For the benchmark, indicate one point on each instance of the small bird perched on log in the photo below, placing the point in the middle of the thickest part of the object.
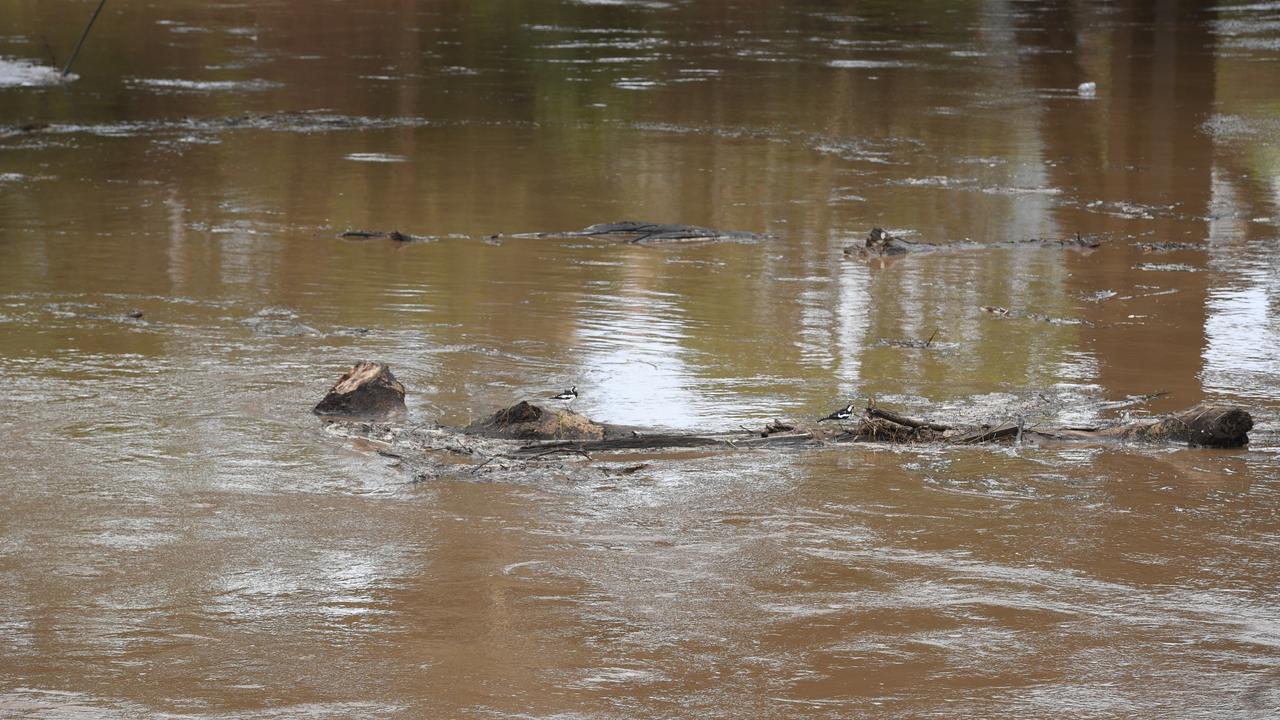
(567, 396)
(842, 414)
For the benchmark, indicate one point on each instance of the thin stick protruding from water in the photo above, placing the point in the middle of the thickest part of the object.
(83, 36)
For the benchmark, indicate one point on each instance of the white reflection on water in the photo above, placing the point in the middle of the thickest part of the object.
(1242, 330)
(25, 73)
(635, 366)
(1243, 351)
(852, 323)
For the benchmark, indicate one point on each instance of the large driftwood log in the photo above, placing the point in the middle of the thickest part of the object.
(1204, 425)
(368, 389)
(529, 439)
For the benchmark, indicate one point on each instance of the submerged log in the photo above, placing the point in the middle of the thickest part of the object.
(367, 389)
(644, 233)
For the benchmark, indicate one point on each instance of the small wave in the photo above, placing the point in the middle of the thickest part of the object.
(205, 85)
(376, 158)
(636, 84)
(647, 4)
(868, 64)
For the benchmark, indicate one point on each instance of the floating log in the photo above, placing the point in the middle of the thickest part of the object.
(644, 233)
(367, 389)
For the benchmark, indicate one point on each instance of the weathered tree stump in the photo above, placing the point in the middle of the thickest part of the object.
(367, 389)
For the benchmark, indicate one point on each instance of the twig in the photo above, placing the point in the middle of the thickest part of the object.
(929, 342)
(476, 469)
(562, 450)
(53, 56)
(83, 36)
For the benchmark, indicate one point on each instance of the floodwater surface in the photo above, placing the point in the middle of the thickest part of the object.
(178, 538)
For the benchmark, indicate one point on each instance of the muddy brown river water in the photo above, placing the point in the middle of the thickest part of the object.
(179, 539)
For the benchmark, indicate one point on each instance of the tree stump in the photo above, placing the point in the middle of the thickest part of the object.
(367, 389)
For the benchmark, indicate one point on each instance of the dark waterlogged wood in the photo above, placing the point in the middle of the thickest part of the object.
(646, 233)
(368, 389)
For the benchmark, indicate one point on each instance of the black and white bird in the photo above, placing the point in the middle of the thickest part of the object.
(567, 396)
(843, 413)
